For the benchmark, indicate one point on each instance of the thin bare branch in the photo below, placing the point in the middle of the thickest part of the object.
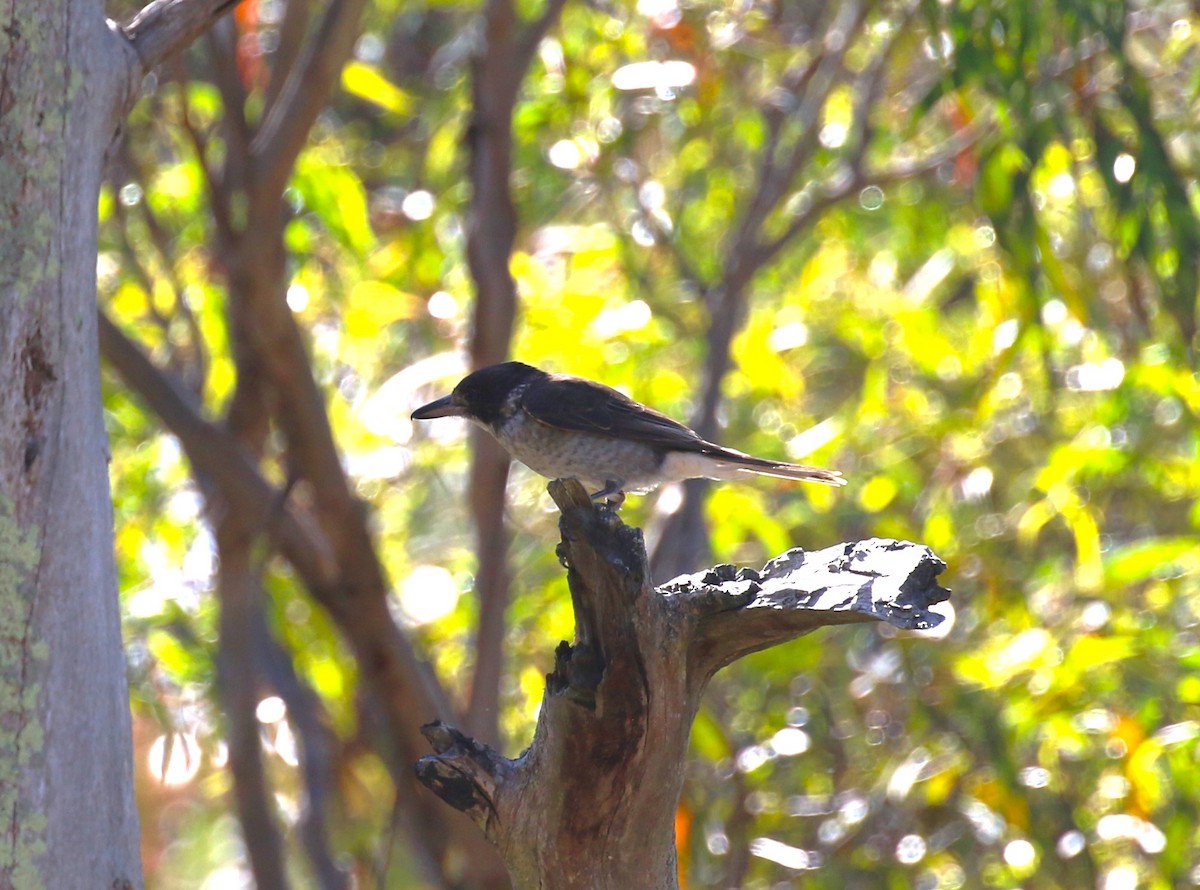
(779, 163)
(240, 592)
(780, 101)
(528, 42)
(313, 729)
(164, 27)
(218, 459)
(830, 73)
(869, 90)
(222, 42)
(498, 66)
(309, 84)
(213, 185)
(292, 30)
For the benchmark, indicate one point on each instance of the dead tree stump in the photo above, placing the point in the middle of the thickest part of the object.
(591, 803)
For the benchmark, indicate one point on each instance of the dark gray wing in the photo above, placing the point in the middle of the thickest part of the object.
(570, 403)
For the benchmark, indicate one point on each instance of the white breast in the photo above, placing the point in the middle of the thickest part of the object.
(562, 454)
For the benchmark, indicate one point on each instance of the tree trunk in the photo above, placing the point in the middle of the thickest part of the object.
(66, 774)
(66, 797)
(591, 804)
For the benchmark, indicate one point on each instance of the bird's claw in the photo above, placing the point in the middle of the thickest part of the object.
(611, 494)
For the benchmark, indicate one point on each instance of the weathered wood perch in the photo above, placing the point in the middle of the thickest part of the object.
(591, 803)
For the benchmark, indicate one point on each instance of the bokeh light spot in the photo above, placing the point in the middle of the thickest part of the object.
(1019, 854)
(1124, 166)
(417, 205)
(174, 759)
(427, 594)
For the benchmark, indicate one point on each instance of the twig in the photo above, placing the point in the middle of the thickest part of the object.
(222, 41)
(870, 89)
(195, 370)
(212, 182)
(808, 98)
(830, 73)
(309, 84)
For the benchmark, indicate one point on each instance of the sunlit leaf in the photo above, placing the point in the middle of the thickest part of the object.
(368, 82)
(1150, 557)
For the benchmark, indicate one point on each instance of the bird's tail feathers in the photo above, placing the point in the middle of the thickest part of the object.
(780, 470)
(727, 464)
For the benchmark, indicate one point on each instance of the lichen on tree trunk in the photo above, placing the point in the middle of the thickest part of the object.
(66, 770)
(68, 78)
(591, 803)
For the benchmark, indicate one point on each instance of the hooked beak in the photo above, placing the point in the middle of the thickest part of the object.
(443, 407)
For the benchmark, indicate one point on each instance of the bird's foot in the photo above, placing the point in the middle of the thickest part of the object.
(611, 494)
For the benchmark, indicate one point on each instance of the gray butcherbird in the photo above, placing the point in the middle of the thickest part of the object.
(569, 428)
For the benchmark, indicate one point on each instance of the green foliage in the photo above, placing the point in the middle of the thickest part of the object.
(998, 356)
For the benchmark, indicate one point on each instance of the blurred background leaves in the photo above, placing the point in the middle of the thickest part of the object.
(975, 293)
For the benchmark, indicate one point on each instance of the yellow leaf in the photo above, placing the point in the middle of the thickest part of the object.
(326, 677)
(389, 259)
(1187, 690)
(1090, 652)
(877, 494)
(374, 305)
(939, 532)
(1006, 657)
(1089, 567)
(366, 82)
(1145, 775)
(1032, 520)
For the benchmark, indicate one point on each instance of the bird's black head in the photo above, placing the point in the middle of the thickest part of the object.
(483, 395)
